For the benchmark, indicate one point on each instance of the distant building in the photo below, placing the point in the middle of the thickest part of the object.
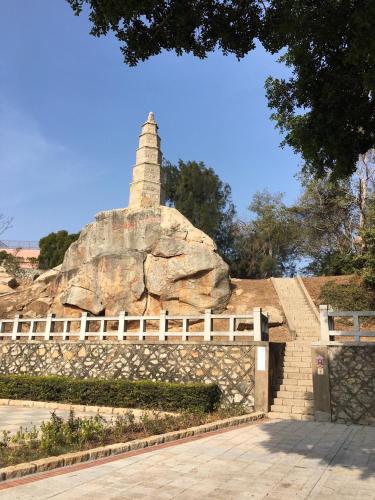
(25, 251)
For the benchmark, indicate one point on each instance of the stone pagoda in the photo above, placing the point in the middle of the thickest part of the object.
(147, 188)
(140, 259)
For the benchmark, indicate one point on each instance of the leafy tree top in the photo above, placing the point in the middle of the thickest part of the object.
(326, 109)
(53, 248)
(199, 194)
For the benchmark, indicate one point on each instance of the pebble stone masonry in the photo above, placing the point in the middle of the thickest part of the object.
(232, 367)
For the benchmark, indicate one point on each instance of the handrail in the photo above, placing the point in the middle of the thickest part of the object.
(120, 331)
(327, 324)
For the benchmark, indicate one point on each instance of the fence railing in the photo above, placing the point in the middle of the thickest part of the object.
(327, 325)
(14, 244)
(124, 327)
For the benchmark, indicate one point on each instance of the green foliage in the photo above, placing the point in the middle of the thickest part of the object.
(199, 194)
(328, 216)
(147, 28)
(332, 263)
(11, 263)
(366, 261)
(353, 296)
(267, 245)
(53, 248)
(57, 436)
(117, 393)
(325, 108)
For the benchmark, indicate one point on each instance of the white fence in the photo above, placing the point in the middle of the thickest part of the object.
(327, 325)
(124, 327)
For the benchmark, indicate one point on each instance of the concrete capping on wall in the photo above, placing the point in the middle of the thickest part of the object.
(292, 332)
(69, 459)
(308, 297)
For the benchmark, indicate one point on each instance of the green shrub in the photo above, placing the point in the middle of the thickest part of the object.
(353, 296)
(117, 393)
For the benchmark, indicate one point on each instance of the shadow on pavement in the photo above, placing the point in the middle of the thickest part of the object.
(337, 445)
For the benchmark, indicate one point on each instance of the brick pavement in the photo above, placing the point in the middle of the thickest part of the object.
(273, 460)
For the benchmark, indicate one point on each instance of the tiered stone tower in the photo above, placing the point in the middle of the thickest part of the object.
(147, 188)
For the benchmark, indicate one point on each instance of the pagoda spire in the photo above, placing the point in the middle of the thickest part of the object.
(147, 190)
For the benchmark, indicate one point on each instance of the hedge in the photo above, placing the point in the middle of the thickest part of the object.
(115, 393)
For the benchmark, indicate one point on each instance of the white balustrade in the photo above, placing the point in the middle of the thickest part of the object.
(327, 325)
(233, 327)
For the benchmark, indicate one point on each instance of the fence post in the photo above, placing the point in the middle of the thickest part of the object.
(231, 328)
(121, 325)
(185, 328)
(32, 329)
(207, 324)
(141, 334)
(103, 329)
(48, 327)
(257, 322)
(16, 326)
(162, 324)
(66, 329)
(82, 331)
(324, 323)
(356, 328)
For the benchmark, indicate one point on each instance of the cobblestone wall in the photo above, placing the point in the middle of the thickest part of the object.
(352, 383)
(232, 367)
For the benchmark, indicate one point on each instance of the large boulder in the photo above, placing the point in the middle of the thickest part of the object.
(141, 261)
(7, 282)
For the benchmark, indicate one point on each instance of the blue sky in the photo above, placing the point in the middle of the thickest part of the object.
(71, 111)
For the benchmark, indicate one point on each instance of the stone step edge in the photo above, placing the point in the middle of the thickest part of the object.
(102, 410)
(68, 459)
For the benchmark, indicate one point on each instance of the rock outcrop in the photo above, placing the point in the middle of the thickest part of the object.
(141, 261)
(7, 282)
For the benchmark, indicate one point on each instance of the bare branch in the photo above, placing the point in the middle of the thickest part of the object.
(5, 223)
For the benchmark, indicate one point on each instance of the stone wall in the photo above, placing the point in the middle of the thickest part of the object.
(352, 383)
(344, 383)
(232, 367)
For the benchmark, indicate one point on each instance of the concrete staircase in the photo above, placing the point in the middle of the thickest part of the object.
(294, 398)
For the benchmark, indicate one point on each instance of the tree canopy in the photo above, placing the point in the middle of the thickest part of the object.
(268, 244)
(326, 109)
(199, 194)
(53, 248)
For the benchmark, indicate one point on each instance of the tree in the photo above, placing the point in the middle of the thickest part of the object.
(199, 194)
(328, 217)
(326, 109)
(53, 248)
(366, 177)
(268, 244)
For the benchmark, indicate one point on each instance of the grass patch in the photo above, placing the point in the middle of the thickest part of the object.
(166, 396)
(58, 436)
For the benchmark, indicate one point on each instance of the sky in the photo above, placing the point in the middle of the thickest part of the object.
(71, 112)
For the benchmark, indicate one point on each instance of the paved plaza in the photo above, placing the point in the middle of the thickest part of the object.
(272, 460)
(14, 417)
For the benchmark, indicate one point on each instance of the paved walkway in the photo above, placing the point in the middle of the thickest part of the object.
(13, 417)
(273, 460)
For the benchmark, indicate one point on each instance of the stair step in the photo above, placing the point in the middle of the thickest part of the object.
(305, 395)
(297, 376)
(286, 416)
(296, 364)
(308, 403)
